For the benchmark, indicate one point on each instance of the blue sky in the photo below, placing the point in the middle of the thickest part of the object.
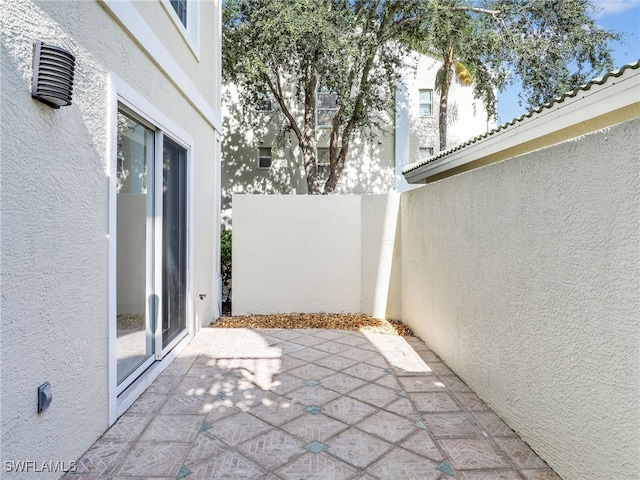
(621, 16)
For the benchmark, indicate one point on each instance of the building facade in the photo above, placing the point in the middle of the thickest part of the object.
(258, 159)
(106, 204)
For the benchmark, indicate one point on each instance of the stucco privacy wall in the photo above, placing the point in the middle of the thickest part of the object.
(296, 253)
(524, 277)
(346, 268)
(54, 223)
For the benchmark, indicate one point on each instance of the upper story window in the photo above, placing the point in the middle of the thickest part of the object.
(426, 103)
(322, 156)
(327, 106)
(264, 102)
(264, 157)
(425, 152)
(185, 14)
(180, 6)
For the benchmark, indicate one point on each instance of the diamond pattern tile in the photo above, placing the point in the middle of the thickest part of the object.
(284, 383)
(277, 410)
(403, 406)
(473, 454)
(353, 339)
(365, 371)
(336, 362)
(127, 427)
(543, 474)
(374, 394)
(205, 446)
(175, 428)
(159, 459)
(519, 452)
(311, 466)
(453, 383)
(148, 403)
(237, 428)
(451, 425)
(358, 354)
(343, 383)
(310, 370)
(357, 448)
(488, 475)
(280, 404)
(406, 465)
(312, 395)
(185, 405)
(348, 409)
(101, 457)
(492, 424)
(309, 354)
(388, 426)
(470, 401)
(314, 427)
(273, 448)
(434, 402)
(422, 444)
(332, 347)
(389, 381)
(225, 466)
(422, 383)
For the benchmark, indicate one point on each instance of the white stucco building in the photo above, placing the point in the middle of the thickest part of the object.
(109, 223)
(254, 160)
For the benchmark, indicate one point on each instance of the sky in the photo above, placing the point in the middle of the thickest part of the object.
(620, 16)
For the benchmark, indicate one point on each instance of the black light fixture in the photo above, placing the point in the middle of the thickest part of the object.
(52, 75)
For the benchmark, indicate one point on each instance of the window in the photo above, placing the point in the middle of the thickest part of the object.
(264, 157)
(323, 156)
(264, 102)
(425, 152)
(327, 106)
(426, 103)
(186, 16)
(180, 6)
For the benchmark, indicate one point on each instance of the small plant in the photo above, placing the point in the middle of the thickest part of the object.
(225, 257)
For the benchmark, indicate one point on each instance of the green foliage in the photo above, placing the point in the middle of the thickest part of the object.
(225, 256)
(356, 48)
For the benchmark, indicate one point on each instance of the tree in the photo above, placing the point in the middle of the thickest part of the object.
(355, 48)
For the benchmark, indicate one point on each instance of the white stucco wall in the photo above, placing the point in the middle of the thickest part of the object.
(55, 223)
(348, 268)
(379, 220)
(296, 254)
(524, 277)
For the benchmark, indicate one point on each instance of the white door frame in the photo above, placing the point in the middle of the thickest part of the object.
(121, 94)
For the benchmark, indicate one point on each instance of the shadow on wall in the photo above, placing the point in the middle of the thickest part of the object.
(370, 166)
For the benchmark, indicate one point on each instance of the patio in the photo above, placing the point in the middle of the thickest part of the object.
(309, 404)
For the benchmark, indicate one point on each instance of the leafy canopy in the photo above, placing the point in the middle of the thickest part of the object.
(356, 48)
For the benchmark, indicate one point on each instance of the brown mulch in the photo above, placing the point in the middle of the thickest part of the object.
(343, 321)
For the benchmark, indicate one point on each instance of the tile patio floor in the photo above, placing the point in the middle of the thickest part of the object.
(309, 404)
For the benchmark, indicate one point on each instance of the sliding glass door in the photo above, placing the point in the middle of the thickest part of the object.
(136, 312)
(174, 240)
(151, 246)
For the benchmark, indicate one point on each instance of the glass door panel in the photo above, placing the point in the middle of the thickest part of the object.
(134, 251)
(174, 241)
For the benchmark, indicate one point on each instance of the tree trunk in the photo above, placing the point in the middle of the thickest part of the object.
(447, 67)
(443, 106)
(309, 136)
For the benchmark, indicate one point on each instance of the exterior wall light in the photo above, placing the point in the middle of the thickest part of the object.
(53, 69)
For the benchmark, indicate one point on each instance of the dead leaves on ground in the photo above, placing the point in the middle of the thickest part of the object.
(339, 321)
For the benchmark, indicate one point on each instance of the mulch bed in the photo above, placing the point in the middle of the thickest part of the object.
(343, 321)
